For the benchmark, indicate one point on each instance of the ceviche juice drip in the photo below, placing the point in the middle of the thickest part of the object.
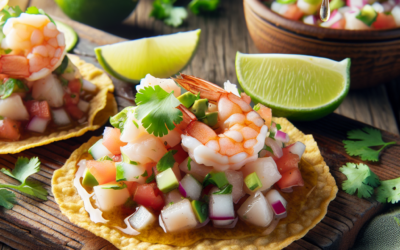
(324, 11)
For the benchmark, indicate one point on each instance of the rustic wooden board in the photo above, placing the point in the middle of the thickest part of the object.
(34, 224)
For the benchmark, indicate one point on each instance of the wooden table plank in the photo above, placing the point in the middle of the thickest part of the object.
(222, 36)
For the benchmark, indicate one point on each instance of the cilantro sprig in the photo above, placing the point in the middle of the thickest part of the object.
(167, 161)
(157, 110)
(360, 178)
(363, 139)
(174, 16)
(23, 169)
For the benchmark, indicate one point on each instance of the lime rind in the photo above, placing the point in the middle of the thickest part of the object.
(71, 37)
(161, 67)
(303, 113)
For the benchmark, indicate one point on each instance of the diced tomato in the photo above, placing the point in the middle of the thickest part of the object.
(384, 21)
(75, 86)
(71, 99)
(287, 161)
(132, 186)
(40, 109)
(10, 129)
(74, 111)
(291, 178)
(149, 195)
(181, 155)
(117, 158)
(339, 24)
(201, 131)
(103, 171)
(293, 12)
(266, 114)
(111, 140)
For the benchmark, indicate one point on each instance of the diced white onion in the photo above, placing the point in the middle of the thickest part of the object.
(83, 105)
(38, 124)
(60, 117)
(88, 86)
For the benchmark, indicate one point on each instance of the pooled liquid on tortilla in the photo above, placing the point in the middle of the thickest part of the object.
(155, 234)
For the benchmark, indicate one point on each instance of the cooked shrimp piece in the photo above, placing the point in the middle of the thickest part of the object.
(240, 137)
(37, 47)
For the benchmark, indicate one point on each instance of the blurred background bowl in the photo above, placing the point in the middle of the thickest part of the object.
(98, 13)
(375, 54)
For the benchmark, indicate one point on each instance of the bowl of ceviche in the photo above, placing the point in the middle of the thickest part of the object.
(355, 29)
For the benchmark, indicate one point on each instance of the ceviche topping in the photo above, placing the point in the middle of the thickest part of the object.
(185, 160)
(349, 14)
(41, 91)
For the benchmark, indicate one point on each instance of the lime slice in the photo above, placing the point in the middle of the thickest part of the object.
(294, 86)
(71, 38)
(160, 56)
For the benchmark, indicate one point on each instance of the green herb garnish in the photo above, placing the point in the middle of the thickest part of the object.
(167, 161)
(359, 177)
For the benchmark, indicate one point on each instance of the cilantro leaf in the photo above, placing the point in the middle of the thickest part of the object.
(365, 138)
(162, 9)
(116, 186)
(188, 163)
(7, 198)
(23, 169)
(144, 174)
(389, 191)
(197, 6)
(157, 110)
(359, 177)
(151, 178)
(167, 161)
(176, 17)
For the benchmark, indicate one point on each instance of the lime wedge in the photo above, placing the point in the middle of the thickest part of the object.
(298, 87)
(71, 38)
(160, 56)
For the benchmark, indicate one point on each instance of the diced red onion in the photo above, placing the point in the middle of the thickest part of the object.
(297, 148)
(222, 218)
(287, 190)
(203, 224)
(310, 20)
(161, 222)
(38, 124)
(271, 226)
(279, 209)
(88, 86)
(281, 136)
(60, 117)
(276, 148)
(232, 225)
(182, 190)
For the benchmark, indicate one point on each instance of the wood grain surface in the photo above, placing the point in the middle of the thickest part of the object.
(34, 224)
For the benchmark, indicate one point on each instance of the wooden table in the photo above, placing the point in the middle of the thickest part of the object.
(222, 35)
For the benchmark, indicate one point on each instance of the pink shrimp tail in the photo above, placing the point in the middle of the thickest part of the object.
(14, 66)
(195, 85)
(188, 117)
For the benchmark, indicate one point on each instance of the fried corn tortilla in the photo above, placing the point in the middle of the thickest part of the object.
(306, 207)
(102, 106)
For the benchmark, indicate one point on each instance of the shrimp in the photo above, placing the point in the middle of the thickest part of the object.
(241, 134)
(37, 47)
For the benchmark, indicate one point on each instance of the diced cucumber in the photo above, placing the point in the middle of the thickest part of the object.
(88, 179)
(98, 150)
(128, 172)
(367, 15)
(252, 181)
(167, 181)
(105, 158)
(200, 210)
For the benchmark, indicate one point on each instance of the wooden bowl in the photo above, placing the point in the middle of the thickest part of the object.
(375, 54)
